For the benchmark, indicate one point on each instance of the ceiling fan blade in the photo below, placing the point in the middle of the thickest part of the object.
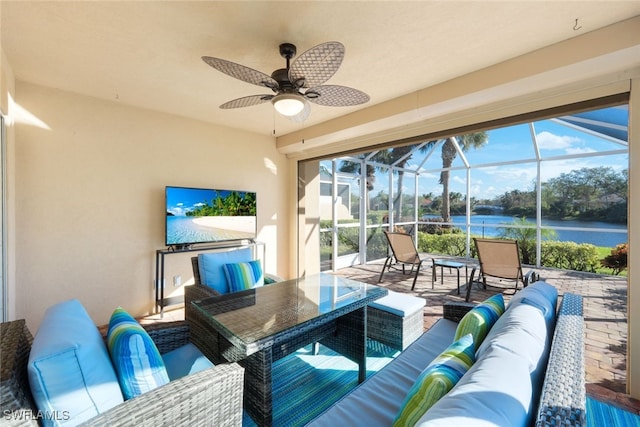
(317, 64)
(246, 101)
(336, 96)
(241, 72)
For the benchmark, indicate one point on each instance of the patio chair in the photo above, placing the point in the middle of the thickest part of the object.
(403, 252)
(499, 259)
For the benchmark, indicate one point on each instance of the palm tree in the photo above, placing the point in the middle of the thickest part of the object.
(399, 156)
(526, 237)
(351, 167)
(449, 153)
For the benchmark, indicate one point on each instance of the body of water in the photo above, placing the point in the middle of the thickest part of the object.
(608, 235)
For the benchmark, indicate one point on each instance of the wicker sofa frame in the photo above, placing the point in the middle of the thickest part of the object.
(210, 397)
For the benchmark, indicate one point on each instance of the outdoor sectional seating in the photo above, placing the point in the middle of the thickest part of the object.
(529, 370)
(73, 374)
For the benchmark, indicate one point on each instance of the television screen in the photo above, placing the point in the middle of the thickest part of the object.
(201, 215)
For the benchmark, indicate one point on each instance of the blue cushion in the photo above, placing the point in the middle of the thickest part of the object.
(530, 316)
(210, 266)
(136, 358)
(185, 360)
(399, 304)
(436, 380)
(479, 320)
(69, 369)
(496, 391)
(243, 275)
(539, 294)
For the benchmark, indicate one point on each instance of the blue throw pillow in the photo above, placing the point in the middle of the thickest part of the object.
(436, 380)
(210, 266)
(479, 320)
(136, 358)
(243, 275)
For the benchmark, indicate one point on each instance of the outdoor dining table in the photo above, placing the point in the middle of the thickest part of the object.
(256, 327)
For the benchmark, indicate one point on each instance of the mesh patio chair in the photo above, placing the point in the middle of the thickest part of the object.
(499, 259)
(403, 253)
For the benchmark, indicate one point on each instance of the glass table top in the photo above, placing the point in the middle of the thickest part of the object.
(257, 314)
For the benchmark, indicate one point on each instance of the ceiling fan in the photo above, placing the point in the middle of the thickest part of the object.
(297, 84)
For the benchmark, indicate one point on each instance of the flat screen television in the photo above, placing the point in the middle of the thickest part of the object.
(203, 215)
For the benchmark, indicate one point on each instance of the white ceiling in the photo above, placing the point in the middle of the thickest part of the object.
(148, 53)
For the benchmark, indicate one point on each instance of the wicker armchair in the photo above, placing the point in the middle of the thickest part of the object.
(210, 397)
(199, 291)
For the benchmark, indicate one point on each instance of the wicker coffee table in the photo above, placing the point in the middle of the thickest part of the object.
(259, 326)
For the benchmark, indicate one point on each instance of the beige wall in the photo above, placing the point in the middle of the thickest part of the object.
(90, 178)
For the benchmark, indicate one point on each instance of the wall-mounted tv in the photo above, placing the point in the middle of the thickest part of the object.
(202, 215)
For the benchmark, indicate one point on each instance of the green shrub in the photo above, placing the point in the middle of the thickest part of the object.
(569, 256)
(555, 254)
(448, 244)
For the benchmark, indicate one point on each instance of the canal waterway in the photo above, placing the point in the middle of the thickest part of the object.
(607, 234)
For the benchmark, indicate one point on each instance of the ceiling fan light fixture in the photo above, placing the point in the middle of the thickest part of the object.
(288, 104)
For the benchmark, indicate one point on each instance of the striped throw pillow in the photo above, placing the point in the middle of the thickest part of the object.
(243, 275)
(479, 320)
(436, 380)
(134, 355)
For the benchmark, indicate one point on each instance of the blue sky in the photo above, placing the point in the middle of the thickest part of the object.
(515, 143)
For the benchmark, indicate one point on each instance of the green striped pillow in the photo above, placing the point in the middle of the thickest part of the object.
(436, 380)
(135, 357)
(243, 275)
(479, 320)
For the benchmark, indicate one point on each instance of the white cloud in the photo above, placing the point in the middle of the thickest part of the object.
(549, 141)
(580, 150)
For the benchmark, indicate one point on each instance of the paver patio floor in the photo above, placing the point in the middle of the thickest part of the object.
(605, 315)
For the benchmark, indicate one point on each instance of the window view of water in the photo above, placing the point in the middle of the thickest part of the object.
(489, 226)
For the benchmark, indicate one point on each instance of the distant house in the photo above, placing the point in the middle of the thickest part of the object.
(343, 206)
